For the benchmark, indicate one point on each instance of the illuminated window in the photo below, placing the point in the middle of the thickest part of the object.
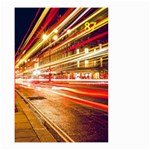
(94, 63)
(68, 31)
(100, 46)
(77, 75)
(55, 31)
(55, 37)
(78, 51)
(44, 36)
(78, 63)
(86, 63)
(86, 50)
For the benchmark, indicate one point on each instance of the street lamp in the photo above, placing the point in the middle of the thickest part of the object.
(44, 36)
(68, 31)
(55, 31)
(86, 50)
(55, 37)
(36, 72)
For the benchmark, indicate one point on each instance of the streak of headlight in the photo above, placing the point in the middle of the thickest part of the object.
(76, 56)
(84, 42)
(81, 34)
(80, 80)
(76, 19)
(100, 106)
(89, 40)
(38, 44)
(102, 9)
(89, 55)
(87, 92)
(68, 12)
(68, 59)
(74, 64)
(100, 24)
(31, 51)
(79, 57)
(71, 58)
(49, 18)
(104, 22)
(93, 15)
(36, 25)
(77, 10)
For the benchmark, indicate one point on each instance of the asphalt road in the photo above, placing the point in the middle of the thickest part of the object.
(81, 122)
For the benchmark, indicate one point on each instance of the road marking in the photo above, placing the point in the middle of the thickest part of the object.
(59, 131)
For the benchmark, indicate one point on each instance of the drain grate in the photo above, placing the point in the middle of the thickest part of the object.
(36, 98)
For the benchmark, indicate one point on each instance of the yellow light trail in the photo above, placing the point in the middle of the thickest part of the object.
(63, 60)
(36, 25)
(76, 11)
(99, 11)
(100, 24)
(31, 51)
(83, 13)
(71, 59)
(103, 22)
(34, 29)
(38, 44)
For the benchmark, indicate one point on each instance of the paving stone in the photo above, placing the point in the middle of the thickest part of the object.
(20, 133)
(44, 135)
(24, 125)
(20, 118)
(27, 139)
(28, 127)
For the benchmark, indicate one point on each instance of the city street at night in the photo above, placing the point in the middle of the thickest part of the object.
(61, 74)
(74, 75)
(81, 121)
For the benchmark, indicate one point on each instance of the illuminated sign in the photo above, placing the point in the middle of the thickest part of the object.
(88, 25)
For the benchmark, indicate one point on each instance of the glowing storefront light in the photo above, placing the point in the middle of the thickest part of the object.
(55, 37)
(68, 31)
(55, 31)
(86, 63)
(44, 36)
(36, 72)
(86, 50)
(78, 51)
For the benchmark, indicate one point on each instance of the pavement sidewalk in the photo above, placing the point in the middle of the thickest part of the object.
(28, 127)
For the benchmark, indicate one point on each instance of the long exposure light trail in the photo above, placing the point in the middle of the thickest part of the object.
(87, 92)
(81, 56)
(62, 18)
(28, 30)
(76, 11)
(45, 24)
(79, 35)
(49, 18)
(32, 32)
(40, 43)
(76, 20)
(61, 71)
(100, 106)
(46, 10)
(70, 58)
(93, 15)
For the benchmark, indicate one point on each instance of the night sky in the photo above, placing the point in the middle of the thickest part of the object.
(23, 19)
